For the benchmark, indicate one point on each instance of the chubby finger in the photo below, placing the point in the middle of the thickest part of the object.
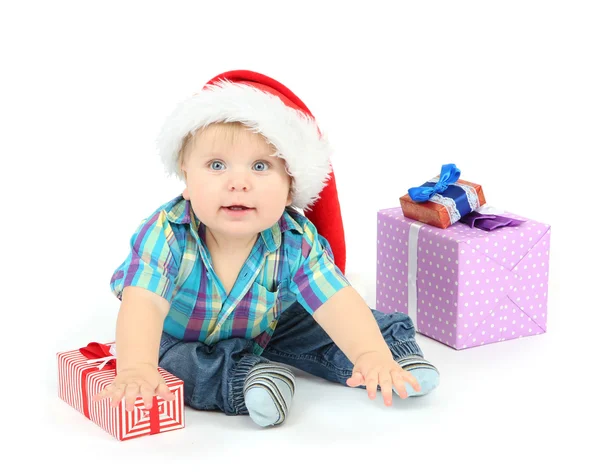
(385, 382)
(131, 393)
(356, 379)
(147, 394)
(108, 392)
(410, 378)
(116, 394)
(399, 384)
(372, 382)
(103, 394)
(164, 392)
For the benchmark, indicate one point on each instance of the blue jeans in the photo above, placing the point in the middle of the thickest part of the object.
(214, 375)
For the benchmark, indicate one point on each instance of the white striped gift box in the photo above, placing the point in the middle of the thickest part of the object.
(79, 378)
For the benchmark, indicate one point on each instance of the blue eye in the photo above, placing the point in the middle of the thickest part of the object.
(216, 162)
(264, 166)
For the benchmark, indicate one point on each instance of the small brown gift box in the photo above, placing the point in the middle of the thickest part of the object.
(434, 214)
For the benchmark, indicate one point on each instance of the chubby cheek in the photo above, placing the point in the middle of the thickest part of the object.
(276, 202)
(201, 196)
(203, 201)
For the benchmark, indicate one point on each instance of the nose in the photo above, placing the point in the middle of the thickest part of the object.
(233, 188)
(239, 182)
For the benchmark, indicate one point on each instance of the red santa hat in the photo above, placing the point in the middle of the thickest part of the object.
(269, 108)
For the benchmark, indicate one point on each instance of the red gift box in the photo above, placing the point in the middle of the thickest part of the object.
(85, 372)
(435, 214)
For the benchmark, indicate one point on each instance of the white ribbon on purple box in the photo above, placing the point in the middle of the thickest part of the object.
(413, 265)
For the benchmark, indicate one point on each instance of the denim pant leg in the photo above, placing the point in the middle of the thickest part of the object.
(300, 342)
(213, 375)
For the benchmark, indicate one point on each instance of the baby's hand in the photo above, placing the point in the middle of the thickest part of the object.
(143, 379)
(374, 368)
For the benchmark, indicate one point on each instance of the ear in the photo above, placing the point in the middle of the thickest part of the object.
(185, 194)
(291, 184)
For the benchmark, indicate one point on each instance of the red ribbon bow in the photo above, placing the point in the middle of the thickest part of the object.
(94, 350)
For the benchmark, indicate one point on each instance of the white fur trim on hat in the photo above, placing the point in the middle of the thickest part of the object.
(294, 135)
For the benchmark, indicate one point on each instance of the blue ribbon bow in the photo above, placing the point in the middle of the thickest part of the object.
(449, 174)
(445, 187)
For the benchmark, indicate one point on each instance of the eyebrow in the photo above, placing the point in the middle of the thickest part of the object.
(213, 155)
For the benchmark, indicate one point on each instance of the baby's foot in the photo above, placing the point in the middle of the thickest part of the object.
(425, 373)
(268, 392)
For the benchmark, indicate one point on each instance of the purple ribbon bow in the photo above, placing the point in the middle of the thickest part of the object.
(489, 222)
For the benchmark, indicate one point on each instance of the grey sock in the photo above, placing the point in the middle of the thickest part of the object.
(425, 373)
(268, 392)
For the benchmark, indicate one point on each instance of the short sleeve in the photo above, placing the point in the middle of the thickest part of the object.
(316, 278)
(153, 261)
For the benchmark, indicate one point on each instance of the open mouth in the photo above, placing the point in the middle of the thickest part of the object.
(237, 210)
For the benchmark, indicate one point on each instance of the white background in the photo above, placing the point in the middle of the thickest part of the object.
(506, 90)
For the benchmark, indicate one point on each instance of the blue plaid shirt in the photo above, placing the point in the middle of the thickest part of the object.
(289, 262)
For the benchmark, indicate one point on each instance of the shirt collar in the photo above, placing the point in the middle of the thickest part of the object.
(272, 236)
(180, 211)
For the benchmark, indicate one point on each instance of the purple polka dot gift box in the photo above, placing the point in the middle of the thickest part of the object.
(465, 285)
